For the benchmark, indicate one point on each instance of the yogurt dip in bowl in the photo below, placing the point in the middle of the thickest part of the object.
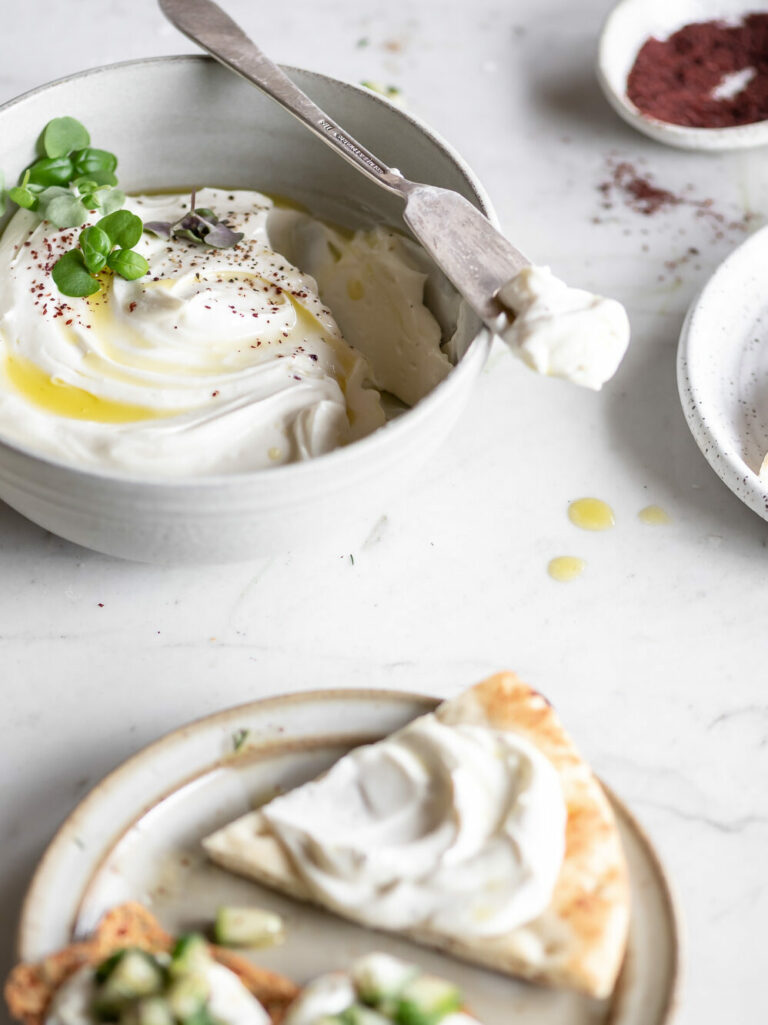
(216, 359)
(192, 446)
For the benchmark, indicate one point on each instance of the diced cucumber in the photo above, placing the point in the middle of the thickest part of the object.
(190, 955)
(153, 1011)
(358, 1014)
(380, 978)
(327, 996)
(426, 1001)
(248, 927)
(187, 995)
(126, 976)
(147, 1011)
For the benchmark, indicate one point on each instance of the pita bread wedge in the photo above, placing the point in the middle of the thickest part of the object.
(31, 985)
(578, 941)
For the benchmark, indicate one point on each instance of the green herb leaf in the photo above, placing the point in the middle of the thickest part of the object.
(92, 162)
(102, 177)
(111, 200)
(51, 171)
(123, 227)
(62, 135)
(96, 246)
(22, 197)
(127, 264)
(62, 207)
(71, 275)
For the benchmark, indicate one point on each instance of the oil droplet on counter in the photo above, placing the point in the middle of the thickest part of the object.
(591, 514)
(275, 453)
(654, 516)
(565, 568)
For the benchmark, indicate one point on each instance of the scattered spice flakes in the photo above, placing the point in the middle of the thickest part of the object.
(637, 190)
(627, 183)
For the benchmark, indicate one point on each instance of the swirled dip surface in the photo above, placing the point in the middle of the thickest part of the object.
(219, 360)
(459, 827)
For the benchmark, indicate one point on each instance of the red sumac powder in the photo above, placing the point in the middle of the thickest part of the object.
(674, 79)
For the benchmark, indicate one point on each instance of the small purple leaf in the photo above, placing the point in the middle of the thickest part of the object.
(161, 228)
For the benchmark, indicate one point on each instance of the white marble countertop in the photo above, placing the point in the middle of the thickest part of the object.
(656, 657)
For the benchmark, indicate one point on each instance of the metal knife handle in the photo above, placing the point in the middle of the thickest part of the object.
(206, 24)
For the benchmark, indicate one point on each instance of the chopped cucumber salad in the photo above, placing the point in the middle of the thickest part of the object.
(379, 990)
(133, 987)
(248, 927)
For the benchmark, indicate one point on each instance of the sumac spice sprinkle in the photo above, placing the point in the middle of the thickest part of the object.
(710, 74)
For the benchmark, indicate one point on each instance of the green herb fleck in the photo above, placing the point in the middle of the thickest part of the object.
(239, 738)
(391, 92)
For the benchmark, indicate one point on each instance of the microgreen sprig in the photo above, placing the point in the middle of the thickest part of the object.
(199, 225)
(106, 244)
(69, 177)
(69, 180)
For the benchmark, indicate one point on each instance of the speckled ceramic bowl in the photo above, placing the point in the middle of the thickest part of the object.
(627, 27)
(722, 371)
(189, 118)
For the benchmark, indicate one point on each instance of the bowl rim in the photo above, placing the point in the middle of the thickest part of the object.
(476, 352)
(754, 133)
(708, 426)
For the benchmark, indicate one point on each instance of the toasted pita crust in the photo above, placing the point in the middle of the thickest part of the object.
(31, 986)
(579, 941)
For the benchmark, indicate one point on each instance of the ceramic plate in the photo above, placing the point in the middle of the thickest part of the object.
(137, 835)
(722, 371)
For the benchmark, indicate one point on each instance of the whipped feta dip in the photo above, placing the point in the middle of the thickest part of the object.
(456, 827)
(562, 331)
(229, 1001)
(218, 360)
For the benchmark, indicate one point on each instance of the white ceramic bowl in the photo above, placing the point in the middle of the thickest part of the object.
(722, 371)
(627, 27)
(188, 121)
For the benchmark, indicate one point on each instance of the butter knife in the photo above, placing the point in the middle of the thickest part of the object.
(475, 257)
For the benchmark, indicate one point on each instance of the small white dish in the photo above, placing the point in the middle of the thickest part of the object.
(722, 371)
(190, 121)
(137, 836)
(628, 27)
